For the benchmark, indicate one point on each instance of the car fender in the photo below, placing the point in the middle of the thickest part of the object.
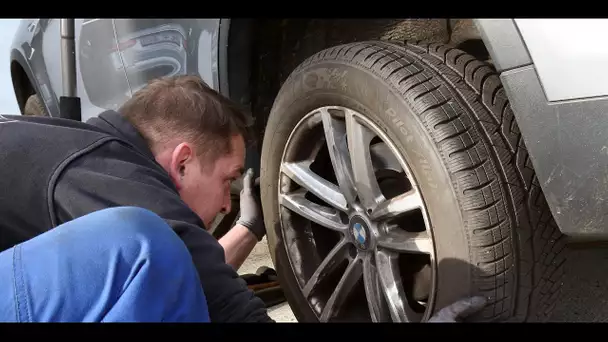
(562, 122)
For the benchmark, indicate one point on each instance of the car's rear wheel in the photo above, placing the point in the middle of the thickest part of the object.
(34, 106)
(395, 181)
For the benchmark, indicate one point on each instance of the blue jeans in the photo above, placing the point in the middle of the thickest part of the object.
(120, 264)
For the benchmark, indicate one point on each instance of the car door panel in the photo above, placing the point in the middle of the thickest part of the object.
(97, 86)
(102, 83)
(153, 48)
(568, 56)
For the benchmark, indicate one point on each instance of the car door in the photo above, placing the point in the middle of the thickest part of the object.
(101, 81)
(153, 48)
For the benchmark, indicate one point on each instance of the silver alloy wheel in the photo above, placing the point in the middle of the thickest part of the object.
(364, 220)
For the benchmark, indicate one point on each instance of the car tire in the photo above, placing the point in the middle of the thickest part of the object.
(449, 117)
(34, 106)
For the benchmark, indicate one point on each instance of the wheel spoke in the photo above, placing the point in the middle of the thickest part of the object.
(390, 278)
(401, 241)
(397, 206)
(322, 215)
(351, 276)
(300, 173)
(333, 259)
(375, 297)
(359, 138)
(335, 135)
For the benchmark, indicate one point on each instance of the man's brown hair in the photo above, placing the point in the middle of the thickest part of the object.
(186, 107)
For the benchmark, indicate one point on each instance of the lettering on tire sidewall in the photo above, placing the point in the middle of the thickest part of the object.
(383, 107)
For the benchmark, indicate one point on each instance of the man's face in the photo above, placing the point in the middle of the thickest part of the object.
(206, 188)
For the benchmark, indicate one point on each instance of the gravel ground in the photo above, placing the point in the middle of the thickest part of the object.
(585, 297)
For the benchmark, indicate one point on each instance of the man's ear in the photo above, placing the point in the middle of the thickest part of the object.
(180, 158)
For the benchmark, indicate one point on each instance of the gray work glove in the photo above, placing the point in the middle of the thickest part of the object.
(459, 310)
(251, 212)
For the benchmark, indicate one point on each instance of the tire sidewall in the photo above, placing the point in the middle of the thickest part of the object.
(346, 84)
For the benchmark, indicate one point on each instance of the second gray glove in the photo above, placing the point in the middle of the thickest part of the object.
(459, 310)
(251, 211)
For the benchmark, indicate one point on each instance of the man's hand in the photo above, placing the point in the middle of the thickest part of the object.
(459, 310)
(251, 213)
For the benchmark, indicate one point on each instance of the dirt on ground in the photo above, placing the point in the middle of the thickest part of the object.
(585, 297)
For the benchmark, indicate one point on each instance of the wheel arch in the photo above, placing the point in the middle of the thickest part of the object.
(504, 43)
(22, 79)
(249, 50)
(234, 58)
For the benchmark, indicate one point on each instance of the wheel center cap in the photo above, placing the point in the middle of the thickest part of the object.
(360, 232)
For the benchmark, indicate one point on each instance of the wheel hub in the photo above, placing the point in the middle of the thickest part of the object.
(361, 232)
